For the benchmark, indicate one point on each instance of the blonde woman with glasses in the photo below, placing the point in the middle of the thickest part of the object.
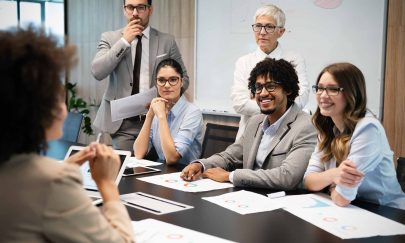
(352, 157)
(173, 126)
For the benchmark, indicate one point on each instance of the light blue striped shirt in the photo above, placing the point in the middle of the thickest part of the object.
(370, 151)
(186, 124)
(269, 131)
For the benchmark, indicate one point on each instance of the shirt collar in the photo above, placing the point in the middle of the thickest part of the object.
(146, 32)
(178, 107)
(276, 53)
(277, 124)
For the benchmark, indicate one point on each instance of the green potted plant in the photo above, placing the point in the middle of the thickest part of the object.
(77, 104)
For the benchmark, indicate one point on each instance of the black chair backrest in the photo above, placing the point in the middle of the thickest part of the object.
(217, 138)
(71, 127)
(401, 172)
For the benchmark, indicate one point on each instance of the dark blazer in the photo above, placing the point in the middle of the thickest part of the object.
(113, 59)
(287, 161)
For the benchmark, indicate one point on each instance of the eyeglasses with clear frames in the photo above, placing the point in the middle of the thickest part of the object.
(269, 86)
(268, 28)
(331, 91)
(172, 81)
(140, 8)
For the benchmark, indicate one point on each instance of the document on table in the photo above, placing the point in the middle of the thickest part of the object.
(344, 222)
(134, 162)
(244, 202)
(152, 204)
(174, 181)
(155, 231)
(132, 105)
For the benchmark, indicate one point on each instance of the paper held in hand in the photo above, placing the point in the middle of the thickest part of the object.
(131, 106)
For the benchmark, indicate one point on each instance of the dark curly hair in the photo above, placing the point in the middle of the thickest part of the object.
(280, 71)
(31, 88)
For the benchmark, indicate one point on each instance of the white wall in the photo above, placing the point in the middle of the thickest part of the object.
(354, 31)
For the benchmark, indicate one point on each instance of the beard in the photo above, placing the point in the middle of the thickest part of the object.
(268, 111)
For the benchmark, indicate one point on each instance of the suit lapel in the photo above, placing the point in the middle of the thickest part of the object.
(153, 49)
(128, 59)
(282, 131)
(255, 146)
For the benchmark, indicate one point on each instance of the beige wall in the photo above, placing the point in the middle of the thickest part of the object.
(88, 19)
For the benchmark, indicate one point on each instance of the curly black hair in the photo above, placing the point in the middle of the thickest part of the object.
(280, 71)
(31, 89)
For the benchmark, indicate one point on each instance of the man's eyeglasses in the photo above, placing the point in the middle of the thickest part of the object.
(172, 81)
(269, 86)
(331, 91)
(140, 8)
(268, 28)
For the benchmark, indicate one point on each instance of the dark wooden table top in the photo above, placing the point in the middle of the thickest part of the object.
(206, 217)
(273, 226)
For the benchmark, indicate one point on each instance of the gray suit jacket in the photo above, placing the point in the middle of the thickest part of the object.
(287, 161)
(113, 58)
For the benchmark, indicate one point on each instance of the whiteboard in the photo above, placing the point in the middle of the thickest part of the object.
(322, 31)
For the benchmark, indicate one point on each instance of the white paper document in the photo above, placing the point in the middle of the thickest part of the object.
(134, 162)
(174, 181)
(132, 105)
(152, 204)
(244, 202)
(155, 231)
(343, 222)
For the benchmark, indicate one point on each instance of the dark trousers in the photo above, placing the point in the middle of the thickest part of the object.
(125, 137)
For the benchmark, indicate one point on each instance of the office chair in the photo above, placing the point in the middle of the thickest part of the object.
(401, 172)
(71, 127)
(217, 138)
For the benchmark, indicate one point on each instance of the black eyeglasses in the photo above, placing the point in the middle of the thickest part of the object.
(331, 91)
(140, 8)
(268, 28)
(269, 86)
(172, 81)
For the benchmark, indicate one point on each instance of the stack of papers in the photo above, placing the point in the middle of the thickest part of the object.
(155, 231)
(134, 162)
(244, 202)
(174, 181)
(344, 222)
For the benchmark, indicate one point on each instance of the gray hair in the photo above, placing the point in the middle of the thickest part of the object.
(272, 11)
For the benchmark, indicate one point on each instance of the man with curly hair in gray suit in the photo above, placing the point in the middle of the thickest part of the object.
(275, 146)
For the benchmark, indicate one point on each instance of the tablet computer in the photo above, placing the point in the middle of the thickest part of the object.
(139, 170)
(88, 183)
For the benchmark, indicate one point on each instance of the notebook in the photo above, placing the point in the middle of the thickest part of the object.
(88, 183)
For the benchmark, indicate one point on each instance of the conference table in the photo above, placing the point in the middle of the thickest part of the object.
(206, 217)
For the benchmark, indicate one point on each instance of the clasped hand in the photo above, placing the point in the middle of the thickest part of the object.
(104, 163)
(159, 107)
(192, 172)
(347, 174)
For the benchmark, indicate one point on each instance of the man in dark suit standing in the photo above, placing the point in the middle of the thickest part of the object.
(129, 57)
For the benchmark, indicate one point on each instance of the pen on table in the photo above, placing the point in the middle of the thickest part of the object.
(276, 194)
